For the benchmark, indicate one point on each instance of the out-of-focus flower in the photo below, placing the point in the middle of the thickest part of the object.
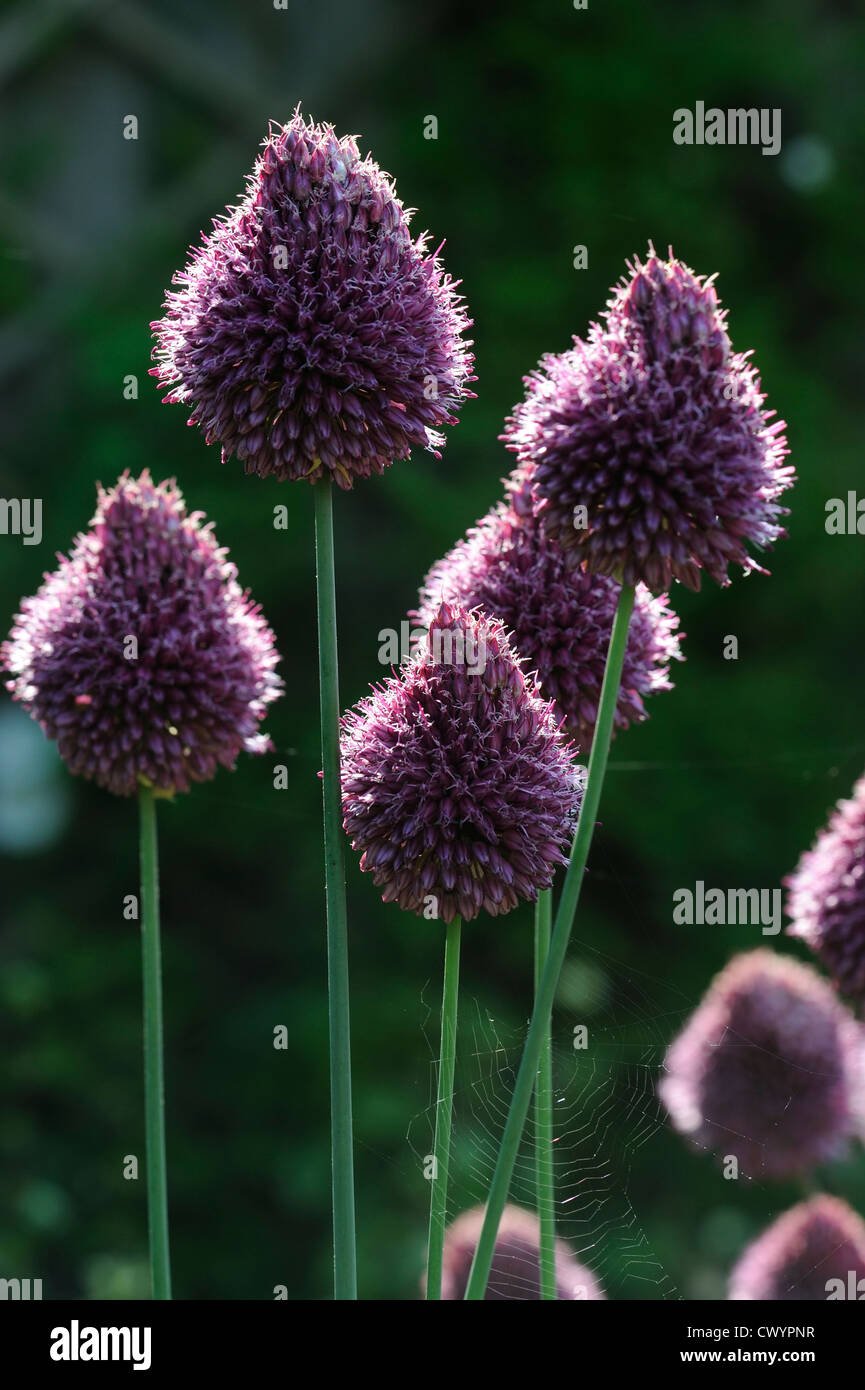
(561, 618)
(515, 1269)
(311, 334)
(768, 1069)
(458, 788)
(654, 457)
(827, 895)
(141, 655)
(808, 1253)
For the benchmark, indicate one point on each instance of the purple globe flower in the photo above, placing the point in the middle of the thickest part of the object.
(654, 456)
(515, 1270)
(561, 618)
(768, 1069)
(311, 334)
(827, 895)
(141, 655)
(814, 1252)
(458, 789)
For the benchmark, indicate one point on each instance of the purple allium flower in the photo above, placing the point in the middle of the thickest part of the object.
(141, 655)
(310, 333)
(827, 895)
(561, 618)
(515, 1270)
(768, 1068)
(656, 428)
(458, 788)
(817, 1241)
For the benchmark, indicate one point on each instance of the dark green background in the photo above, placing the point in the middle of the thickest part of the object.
(555, 129)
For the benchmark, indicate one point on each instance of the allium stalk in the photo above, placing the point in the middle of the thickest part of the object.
(154, 1084)
(339, 1021)
(545, 997)
(444, 1112)
(544, 1162)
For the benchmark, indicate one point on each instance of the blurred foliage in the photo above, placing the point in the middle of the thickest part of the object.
(554, 130)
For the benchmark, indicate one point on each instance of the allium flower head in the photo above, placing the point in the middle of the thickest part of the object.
(827, 895)
(141, 655)
(311, 334)
(655, 428)
(561, 618)
(458, 789)
(817, 1241)
(768, 1068)
(515, 1269)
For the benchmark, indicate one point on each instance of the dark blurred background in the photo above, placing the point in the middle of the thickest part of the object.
(554, 130)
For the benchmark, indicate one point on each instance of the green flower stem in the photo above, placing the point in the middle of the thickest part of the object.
(546, 1190)
(342, 1143)
(542, 1013)
(154, 1086)
(444, 1112)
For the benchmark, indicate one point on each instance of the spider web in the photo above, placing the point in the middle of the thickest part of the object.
(604, 1111)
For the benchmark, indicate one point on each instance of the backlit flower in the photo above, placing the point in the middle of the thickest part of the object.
(654, 457)
(310, 333)
(141, 655)
(459, 792)
(561, 618)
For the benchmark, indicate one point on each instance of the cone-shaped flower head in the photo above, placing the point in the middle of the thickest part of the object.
(310, 333)
(515, 1269)
(458, 788)
(768, 1069)
(654, 456)
(141, 655)
(827, 895)
(561, 618)
(803, 1256)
